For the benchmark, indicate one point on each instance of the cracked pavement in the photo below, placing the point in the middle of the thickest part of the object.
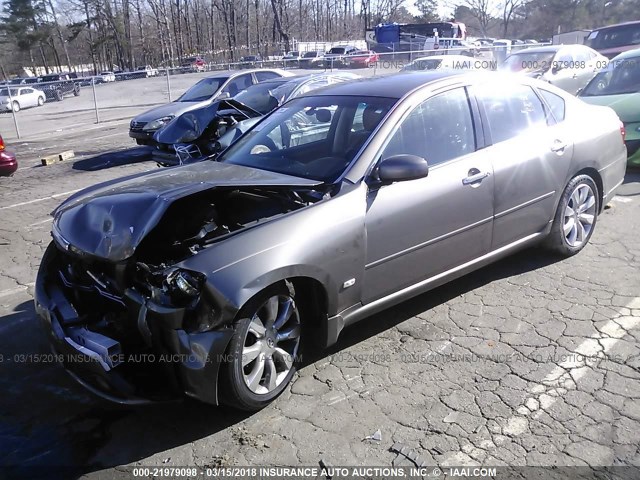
(529, 361)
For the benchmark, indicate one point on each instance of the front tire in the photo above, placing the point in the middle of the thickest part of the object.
(263, 353)
(576, 217)
(16, 106)
(40, 101)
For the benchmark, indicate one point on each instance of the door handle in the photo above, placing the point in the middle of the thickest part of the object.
(475, 178)
(558, 146)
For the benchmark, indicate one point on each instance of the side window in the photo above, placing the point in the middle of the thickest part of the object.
(266, 75)
(307, 126)
(581, 55)
(238, 84)
(312, 86)
(439, 129)
(564, 57)
(555, 103)
(511, 109)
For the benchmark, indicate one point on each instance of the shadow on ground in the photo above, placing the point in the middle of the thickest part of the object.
(47, 421)
(113, 159)
(631, 185)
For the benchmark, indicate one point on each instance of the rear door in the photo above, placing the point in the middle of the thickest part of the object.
(530, 152)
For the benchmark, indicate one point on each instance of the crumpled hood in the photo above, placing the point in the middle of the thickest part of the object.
(191, 125)
(110, 220)
(173, 108)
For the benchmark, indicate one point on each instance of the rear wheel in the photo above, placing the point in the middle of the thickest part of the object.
(16, 106)
(76, 90)
(40, 101)
(576, 216)
(58, 95)
(263, 352)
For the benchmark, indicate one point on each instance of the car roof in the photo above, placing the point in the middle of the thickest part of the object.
(628, 54)
(233, 73)
(547, 48)
(310, 76)
(389, 86)
(634, 22)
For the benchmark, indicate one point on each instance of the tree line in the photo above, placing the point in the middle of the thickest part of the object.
(59, 35)
(108, 34)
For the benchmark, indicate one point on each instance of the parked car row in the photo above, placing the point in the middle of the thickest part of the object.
(55, 86)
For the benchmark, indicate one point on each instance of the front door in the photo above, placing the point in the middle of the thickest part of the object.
(420, 228)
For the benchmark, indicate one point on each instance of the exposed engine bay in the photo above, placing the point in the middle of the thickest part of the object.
(105, 306)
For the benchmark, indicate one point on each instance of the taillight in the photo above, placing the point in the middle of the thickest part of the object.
(623, 132)
(1, 144)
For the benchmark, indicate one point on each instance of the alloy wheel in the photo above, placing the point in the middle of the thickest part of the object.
(271, 344)
(579, 215)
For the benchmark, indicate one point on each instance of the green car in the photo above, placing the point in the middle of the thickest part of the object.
(618, 86)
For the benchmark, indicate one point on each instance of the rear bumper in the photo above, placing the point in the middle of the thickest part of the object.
(8, 163)
(179, 362)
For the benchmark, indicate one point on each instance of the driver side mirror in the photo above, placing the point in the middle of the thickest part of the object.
(557, 66)
(223, 96)
(399, 168)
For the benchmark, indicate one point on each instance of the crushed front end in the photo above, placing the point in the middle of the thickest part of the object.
(129, 334)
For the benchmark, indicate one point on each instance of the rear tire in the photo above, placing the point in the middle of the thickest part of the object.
(575, 218)
(76, 90)
(58, 95)
(262, 355)
(40, 101)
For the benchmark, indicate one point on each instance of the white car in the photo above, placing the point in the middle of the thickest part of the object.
(569, 67)
(107, 76)
(147, 71)
(20, 97)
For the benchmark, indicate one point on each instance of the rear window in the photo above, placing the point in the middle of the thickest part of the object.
(338, 51)
(555, 104)
(620, 36)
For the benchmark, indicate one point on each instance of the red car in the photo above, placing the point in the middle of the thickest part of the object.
(361, 59)
(8, 162)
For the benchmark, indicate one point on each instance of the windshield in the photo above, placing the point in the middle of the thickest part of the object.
(261, 97)
(203, 90)
(4, 92)
(423, 64)
(621, 76)
(310, 55)
(528, 62)
(621, 36)
(310, 137)
(337, 51)
(50, 78)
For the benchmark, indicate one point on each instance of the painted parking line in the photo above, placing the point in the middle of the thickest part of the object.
(50, 197)
(13, 291)
(566, 374)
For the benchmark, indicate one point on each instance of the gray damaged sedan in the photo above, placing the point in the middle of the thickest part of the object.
(208, 279)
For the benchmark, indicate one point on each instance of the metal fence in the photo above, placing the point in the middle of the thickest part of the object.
(121, 96)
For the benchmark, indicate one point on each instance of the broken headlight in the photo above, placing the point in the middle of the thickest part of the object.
(184, 284)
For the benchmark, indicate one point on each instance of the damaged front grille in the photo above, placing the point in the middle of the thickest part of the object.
(91, 282)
